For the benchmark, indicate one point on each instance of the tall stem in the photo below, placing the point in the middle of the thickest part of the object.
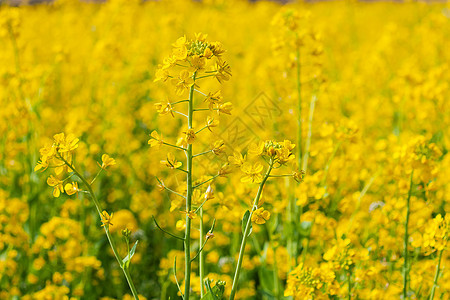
(108, 235)
(246, 232)
(299, 99)
(405, 250)
(436, 275)
(201, 255)
(187, 237)
(349, 282)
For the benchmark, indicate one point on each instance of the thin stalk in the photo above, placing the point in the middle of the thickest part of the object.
(93, 180)
(202, 153)
(292, 213)
(299, 98)
(349, 277)
(436, 275)
(206, 181)
(276, 281)
(202, 256)
(405, 251)
(312, 106)
(246, 231)
(108, 235)
(173, 146)
(187, 236)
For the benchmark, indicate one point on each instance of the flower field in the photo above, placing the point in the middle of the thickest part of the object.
(224, 150)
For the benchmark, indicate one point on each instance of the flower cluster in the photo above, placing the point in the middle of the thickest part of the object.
(312, 283)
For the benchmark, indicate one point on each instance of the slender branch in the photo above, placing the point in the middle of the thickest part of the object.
(181, 101)
(165, 231)
(108, 235)
(173, 192)
(93, 180)
(246, 232)
(175, 275)
(202, 153)
(189, 188)
(436, 275)
(200, 92)
(200, 250)
(180, 113)
(205, 76)
(206, 181)
(173, 146)
(284, 175)
(204, 109)
(312, 106)
(200, 130)
(201, 205)
(405, 251)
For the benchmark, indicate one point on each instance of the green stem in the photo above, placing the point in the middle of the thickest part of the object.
(93, 180)
(246, 232)
(202, 153)
(299, 95)
(436, 275)
(349, 276)
(108, 235)
(206, 181)
(312, 106)
(276, 281)
(405, 250)
(187, 237)
(202, 256)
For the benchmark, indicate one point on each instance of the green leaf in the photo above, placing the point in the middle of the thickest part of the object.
(244, 223)
(126, 261)
(266, 278)
(216, 292)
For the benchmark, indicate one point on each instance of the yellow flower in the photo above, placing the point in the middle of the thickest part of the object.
(56, 184)
(222, 71)
(283, 156)
(190, 135)
(256, 149)
(171, 162)
(260, 216)
(252, 172)
(107, 161)
(156, 140)
(237, 159)
(71, 188)
(225, 108)
(161, 74)
(124, 219)
(218, 147)
(164, 108)
(208, 53)
(225, 169)
(209, 194)
(191, 214)
(288, 145)
(298, 175)
(217, 48)
(67, 144)
(183, 82)
(210, 122)
(213, 99)
(198, 63)
(106, 218)
(169, 62)
(42, 164)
